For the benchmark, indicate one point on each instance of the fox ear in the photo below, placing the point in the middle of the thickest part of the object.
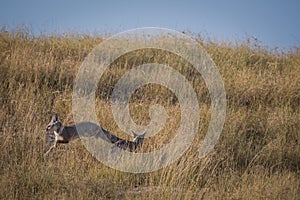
(143, 135)
(55, 117)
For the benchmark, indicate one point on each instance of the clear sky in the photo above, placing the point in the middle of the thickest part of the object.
(275, 23)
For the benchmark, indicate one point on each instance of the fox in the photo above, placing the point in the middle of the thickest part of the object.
(65, 134)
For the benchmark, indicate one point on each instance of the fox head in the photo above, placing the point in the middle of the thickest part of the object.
(55, 124)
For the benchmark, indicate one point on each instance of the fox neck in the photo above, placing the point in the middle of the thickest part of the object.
(59, 130)
(56, 133)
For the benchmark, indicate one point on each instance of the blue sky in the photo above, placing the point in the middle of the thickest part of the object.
(274, 23)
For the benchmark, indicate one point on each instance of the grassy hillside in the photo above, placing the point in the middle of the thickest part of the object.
(256, 157)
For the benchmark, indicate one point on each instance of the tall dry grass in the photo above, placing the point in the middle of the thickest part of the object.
(257, 156)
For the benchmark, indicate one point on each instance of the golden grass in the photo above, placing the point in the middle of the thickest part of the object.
(257, 156)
